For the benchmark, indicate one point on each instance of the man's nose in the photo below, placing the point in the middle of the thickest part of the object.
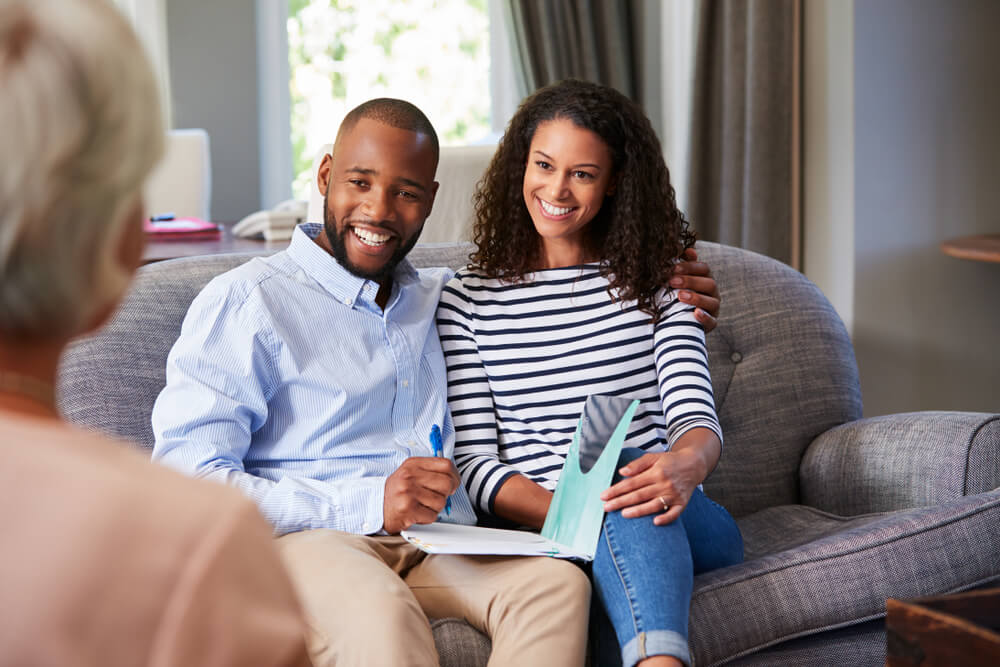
(377, 204)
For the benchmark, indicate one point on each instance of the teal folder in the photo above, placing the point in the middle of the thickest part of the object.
(573, 522)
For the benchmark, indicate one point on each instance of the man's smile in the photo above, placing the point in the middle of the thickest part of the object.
(370, 237)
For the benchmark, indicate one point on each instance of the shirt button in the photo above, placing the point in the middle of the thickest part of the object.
(348, 302)
(412, 443)
(736, 357)
(406, 383)
(364, 526)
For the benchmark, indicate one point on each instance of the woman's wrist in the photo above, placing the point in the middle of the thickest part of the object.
(522, 501)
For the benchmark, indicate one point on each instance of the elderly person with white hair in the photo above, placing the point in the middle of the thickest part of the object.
(107, 558)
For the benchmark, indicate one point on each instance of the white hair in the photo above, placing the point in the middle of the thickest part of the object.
(80, 130)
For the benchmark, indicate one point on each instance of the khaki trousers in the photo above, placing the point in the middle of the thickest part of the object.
(368, 600)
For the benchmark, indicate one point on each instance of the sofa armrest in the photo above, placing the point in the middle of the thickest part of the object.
(900, 461)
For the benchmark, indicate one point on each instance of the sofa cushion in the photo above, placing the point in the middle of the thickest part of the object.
(783, 372)
(808, 571)
(459, 644)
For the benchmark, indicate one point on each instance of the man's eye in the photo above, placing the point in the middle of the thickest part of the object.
(408, 195)
(358, 182)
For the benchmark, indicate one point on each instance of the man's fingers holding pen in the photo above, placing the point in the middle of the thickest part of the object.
(417, 491)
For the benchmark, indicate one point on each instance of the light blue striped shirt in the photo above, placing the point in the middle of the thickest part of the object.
(289, 382)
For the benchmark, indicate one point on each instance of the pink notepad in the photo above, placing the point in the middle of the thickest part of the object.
(180, 228)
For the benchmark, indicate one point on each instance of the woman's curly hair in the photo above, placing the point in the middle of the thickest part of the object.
(638, 233)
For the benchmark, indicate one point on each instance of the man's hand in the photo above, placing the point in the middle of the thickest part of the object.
(695, 285)
(416, 492)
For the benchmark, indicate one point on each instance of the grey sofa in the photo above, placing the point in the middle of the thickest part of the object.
(838, 512)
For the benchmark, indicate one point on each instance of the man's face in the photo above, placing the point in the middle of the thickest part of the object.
(380, 187)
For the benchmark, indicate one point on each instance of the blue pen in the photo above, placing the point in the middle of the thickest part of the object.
(439, 451)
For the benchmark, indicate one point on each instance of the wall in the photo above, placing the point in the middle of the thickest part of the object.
(828, 151)
(213, 76)
(927, 159)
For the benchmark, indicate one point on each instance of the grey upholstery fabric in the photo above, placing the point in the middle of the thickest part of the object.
(459, 644)
(859, 646)
(837, 513)
(783, 372)
(836, 572)
(910, 460)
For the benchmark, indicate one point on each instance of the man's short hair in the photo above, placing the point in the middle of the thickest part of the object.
(395, 113)
(80, 130)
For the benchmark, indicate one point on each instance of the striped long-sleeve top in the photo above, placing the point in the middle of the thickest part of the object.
(522, 359)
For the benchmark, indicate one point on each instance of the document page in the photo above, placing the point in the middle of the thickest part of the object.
(449, 538)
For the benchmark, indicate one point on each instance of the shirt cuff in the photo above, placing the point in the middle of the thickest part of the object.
(362, 507)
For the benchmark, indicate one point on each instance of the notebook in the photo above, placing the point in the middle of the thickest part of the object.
(573, 522)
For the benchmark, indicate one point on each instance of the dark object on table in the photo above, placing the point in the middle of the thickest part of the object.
(954, 630)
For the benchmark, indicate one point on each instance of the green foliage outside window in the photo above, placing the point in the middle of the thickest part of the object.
(434, 53)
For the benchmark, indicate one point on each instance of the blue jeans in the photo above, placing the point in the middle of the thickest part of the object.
(643, 575)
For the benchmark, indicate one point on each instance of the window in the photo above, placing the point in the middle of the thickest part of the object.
(434, 53)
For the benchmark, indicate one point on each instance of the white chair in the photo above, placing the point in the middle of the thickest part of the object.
(182, 181)
(459, 169)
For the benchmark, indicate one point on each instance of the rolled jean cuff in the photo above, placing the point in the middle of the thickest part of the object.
(658, 642)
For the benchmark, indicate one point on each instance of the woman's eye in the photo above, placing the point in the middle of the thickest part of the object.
(543, 164)
(583, 175)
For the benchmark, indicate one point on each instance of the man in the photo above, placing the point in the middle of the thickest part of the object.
(312, 379)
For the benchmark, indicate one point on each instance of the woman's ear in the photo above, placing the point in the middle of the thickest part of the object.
(612, 187)
(128, 256)
(132, 243)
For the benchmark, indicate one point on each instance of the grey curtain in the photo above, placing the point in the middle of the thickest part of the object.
(614, 42)
(744, 187)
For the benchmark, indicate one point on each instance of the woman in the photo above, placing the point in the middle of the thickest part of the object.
(577, 234)
(107, 559)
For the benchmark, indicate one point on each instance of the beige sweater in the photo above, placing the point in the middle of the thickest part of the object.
(107, 559)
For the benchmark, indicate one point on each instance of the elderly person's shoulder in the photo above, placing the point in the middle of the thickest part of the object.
(133, 556)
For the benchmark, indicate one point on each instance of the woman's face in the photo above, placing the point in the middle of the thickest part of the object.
(567, 176)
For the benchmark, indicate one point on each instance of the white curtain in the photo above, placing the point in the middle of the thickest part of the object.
(149, 18)
(678, 26)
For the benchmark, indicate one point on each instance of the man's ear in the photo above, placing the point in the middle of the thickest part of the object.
(430, 199)
(323, 173)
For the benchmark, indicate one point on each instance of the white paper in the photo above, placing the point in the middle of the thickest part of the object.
(449, 538)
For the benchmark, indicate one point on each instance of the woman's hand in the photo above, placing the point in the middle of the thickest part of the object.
(662, 482)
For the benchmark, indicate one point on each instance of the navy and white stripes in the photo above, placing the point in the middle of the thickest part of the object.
(522, 359)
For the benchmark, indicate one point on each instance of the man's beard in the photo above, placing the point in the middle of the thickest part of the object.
(338, 243)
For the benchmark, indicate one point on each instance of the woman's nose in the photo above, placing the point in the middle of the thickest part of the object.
(558, 187)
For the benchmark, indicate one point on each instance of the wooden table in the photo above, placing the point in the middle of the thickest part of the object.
(983, 248)
(226, 243)
(958, 630)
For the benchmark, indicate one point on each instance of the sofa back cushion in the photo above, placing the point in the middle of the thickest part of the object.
(783, 372)
(783, 369)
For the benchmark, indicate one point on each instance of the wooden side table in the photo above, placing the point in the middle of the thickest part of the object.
(983, 248)
(226, 243)
(958, 630)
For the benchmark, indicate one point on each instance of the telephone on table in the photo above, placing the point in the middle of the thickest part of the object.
(276, 224)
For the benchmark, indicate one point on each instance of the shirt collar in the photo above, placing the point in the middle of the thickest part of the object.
(327, 271)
